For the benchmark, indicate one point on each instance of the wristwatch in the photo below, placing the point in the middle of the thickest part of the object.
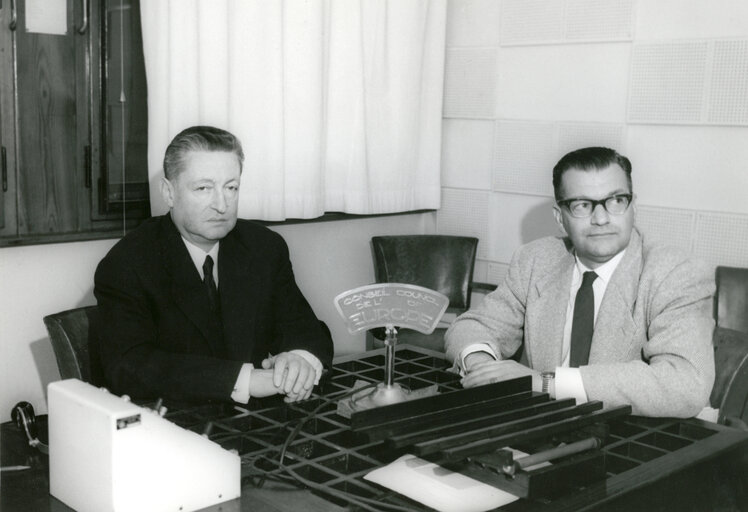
(547, 378)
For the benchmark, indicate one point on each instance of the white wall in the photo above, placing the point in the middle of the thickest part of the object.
(36, 281)
(328, 258)
(665, 82)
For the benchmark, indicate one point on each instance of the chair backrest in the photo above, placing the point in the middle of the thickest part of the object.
(731, 299)
(439, 262)
(730, 391)
(69, 333)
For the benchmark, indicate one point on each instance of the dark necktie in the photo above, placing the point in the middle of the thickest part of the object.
(210, 284)
(583, 322)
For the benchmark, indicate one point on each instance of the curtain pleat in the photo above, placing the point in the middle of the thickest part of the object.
(338, 103)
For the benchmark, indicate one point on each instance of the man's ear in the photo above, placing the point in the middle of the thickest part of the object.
(167, 191)
(559, 219)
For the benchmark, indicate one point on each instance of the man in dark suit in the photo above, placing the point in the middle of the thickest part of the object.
(196, 305)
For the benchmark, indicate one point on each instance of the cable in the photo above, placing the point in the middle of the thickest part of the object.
(366, 503)
(313, 413)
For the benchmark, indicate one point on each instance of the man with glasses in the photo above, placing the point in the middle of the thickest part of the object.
(599, 314)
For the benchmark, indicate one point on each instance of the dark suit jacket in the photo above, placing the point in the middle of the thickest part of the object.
(157, 335)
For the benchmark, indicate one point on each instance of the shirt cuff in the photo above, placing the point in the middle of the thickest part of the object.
(569, 384)
(241, 387)
(311, 359)
(475, 347)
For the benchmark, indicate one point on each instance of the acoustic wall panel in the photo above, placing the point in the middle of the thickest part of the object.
(524, 155)
(515, 220)
(722, 239)
(599, 20)
(470, 83)
(728, 98)
(496, 272)
(480, 272)
(573, 136)
(531, 21)
(690, 167)
(668, 82)
(573, 82)
(465, 213)
(695, 19)
(667, 226)
(473, 23)
(526, 151)
(466, 153)
(565, 21)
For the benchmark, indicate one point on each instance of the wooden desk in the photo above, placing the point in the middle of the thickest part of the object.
(659, 464)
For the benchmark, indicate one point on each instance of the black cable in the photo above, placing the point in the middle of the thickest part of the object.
(360, 501)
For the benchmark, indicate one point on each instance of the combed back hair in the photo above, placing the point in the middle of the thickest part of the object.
(199, 138)
(589, 159)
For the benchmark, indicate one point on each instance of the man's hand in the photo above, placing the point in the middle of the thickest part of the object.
(261, 383)
(292, 375)
(492, 371)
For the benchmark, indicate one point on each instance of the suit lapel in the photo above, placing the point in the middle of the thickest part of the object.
(550, 315)
(187, 289)
(238, 286)
(615, 326)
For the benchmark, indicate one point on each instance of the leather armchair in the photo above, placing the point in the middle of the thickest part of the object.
(730, 391)
(69, 333)
(439, 262)
(731, 299)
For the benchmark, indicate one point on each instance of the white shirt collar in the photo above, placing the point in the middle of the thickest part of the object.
(198, 257)
(604, 271)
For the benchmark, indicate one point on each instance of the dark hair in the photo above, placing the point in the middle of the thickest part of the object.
(589, 159)
(199, 138)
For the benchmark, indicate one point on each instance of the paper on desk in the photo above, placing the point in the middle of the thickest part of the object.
(438, 488)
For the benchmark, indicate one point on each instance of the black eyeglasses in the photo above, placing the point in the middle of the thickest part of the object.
(581, 208)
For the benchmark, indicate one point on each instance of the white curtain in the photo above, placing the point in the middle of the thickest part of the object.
(338, 103)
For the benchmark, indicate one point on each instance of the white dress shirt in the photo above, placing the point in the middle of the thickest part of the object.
(241, 387)
(568, 381)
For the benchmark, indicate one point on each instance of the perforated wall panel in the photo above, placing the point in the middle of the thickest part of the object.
(480, 272)
(565, 21)
(690, 167)
(473, 23)
(573, 136)
(531, 21)
(694, 19)
(668, 82)
(728, 99)
(496, 272)
(667, 226)
(467, 153)
(464, 213)
(599, 20)
(470, 83)
(722, 239)
(517, 219)
(524, 154)
(526, 151)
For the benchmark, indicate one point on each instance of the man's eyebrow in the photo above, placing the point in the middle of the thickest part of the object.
(616, 192)
(201, 181)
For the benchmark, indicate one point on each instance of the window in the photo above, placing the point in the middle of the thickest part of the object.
(73, 125)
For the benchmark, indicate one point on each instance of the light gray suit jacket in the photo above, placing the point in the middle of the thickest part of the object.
(652, 344)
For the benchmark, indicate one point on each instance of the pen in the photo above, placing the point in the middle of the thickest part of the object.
(14, 468)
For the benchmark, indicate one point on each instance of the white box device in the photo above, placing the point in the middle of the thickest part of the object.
(108, 454)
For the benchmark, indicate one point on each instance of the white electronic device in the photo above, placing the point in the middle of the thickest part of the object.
(109, 454)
